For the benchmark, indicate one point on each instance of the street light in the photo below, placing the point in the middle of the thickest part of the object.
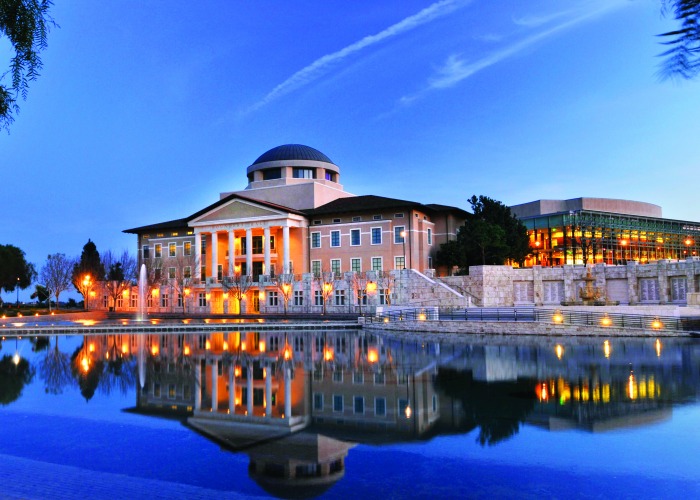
(17, 293)
(86, 287)
(403, 242)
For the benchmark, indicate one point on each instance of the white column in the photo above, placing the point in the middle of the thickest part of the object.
(214, 254)
(198, 385)
(287, 392)
(198, 256)
(285, 242)
(214, 386)
(268, 391)
(266, 244)
(249, 251)
(231, 254)
(249, 386)
(232, 389)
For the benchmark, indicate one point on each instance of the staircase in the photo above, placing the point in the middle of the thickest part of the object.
(417, 290)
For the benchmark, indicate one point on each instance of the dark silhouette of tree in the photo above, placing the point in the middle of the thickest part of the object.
(682, 59)
(13, 378)
(41, 293)
(25, 23)
(121, 274)
(56, 274)
(496, 408)
(15, 271)
(86, 375)
(55, 370)
(87, 271)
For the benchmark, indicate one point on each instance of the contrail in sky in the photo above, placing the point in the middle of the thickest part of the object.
(323, 64)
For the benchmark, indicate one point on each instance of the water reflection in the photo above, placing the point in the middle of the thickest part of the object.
(297, 402)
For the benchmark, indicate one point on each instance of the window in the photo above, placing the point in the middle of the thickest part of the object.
(219, 272)
(171, 273)
(157, 273)
(336, 221)
(179, 300)
(398, 236)
(318, 401)
(172, 249)
(335, 238)
(359, 405)
(146, 252)
(376, 235)
(272, 299)
(164, 302)
(376, 263)
(338, 376)
(357, 218)
(318, 298)
(403, 404)
(120, 302)
(304, 173)
(272, 173)
(317, 222)
(134, 300)
(330, 176)
(187, 272)
(202, 300)
(171, 391)
(380, 407)
(379, 378)
(377, 217)
(316, 268)
(398, 216)
(315, 240)
(358, 378)
(430, 236)
(355, 237)
(399, 262)
(335, 266)
(244, 245)
(430, 263)
(272, 242)
(187, 248)
(384, 297)
(340, 297)
(337, 403)
(356, 265)
(362, 297)
(158, 251)
(204, 247)
(298, 297)
(156, 390)
(257, 244)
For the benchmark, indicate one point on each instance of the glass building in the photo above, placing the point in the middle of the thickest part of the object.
(599, 230)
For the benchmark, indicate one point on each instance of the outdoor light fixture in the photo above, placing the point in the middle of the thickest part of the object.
(657, 324)
(557, 317)
(606, 321)
(372, 356)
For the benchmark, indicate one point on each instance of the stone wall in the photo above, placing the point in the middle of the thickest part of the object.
(661, 282)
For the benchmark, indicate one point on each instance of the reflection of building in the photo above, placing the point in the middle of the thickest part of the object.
(598, 230)
(293, 217)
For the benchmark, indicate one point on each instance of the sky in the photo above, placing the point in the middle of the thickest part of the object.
(145, 111)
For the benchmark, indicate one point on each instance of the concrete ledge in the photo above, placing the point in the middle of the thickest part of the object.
(451, 328)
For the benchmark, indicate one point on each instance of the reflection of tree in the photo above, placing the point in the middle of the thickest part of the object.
(55, 370)
(496, 408)
(119, 373)
(13, 378)
(40, 343)
(86, 371)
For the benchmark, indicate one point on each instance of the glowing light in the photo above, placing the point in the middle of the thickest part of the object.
(155, 292)
(243, 346)
(125, 349)
(287, 353)
(328, 354)
(656, 324)
(225, 346)
(557, 317)
(371, 287)
(208, 296)
(623, 243)
(632, 387)
(407, 411)
(606, 321)
(688, 241)
(262, 346)
(91, 347)
(327, 287)
(207, 345)
(261, 295)
(542, 392)
(186, 350)
(187, 291)
(264, 372)
(154, 349)
(36, 314)
(285, 288)
(386, 320)
(657, 345)
(125, 293)
(372, 356)
(607, 349)
(16, 358)
(237, 372)
(559, 351)
(225, 295)
(421, 317)
(92, 294)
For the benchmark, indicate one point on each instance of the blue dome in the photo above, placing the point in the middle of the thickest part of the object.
(292, 152)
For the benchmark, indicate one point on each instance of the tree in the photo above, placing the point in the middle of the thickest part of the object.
(285, 284)
(87, 271)
(41, 293)
(15, 271)
(178, 274)
(682, 59)
(480, 239)
(121, 274)
(25, 23)
(56, 274)
(326, 283)
(237, 284)
(493, 211)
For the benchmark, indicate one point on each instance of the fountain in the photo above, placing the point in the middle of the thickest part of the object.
(589, 294)
(143, 285)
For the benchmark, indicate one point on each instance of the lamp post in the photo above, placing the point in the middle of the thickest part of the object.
(403, 242)
(17, 294)
(86, 288)
(537, 253)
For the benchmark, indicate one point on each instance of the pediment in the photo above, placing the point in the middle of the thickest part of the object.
(238, 210)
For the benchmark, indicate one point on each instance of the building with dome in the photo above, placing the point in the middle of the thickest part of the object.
(293, 218)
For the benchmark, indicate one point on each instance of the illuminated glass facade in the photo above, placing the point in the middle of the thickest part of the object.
(590, 237)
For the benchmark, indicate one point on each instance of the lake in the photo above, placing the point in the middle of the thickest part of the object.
(338, 414)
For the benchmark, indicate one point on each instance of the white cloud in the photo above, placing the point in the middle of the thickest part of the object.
(323, 64)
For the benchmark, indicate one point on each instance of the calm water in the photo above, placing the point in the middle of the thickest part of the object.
(210, 415)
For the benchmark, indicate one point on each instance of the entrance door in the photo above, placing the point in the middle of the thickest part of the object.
(256, 301)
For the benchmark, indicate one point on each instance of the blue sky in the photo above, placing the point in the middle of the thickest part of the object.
(145, 111)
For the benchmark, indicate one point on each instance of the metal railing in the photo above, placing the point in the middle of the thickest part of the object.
(466, 314)
(618, 320)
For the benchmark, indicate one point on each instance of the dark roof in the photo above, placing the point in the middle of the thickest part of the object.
(366, 203)
(292, 152)
(447, 208)
(179, 223)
